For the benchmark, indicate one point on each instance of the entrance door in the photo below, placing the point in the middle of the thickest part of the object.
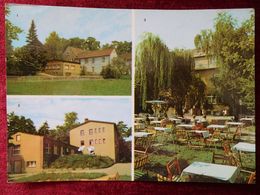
(17, 166)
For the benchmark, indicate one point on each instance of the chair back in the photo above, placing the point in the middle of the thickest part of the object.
(252, 178)
(140, 161)
(173, 168)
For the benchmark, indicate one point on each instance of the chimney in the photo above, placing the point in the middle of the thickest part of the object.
(86, 120)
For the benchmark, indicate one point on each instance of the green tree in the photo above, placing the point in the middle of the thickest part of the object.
(233, 45)
(123, 129)
(77, 42)
(55, 46)
(34, 58)
(121, 47)
(62, 131)
(44, 129)
(91, 44)
(11, 33)
(153, 69)
(17, 123)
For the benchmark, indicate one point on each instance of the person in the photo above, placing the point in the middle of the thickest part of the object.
(91, 149)
(81, 148)
(147, 120)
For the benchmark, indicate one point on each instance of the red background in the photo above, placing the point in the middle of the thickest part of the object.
(116, 187)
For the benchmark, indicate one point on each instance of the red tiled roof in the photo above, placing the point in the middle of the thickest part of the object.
(95, 53)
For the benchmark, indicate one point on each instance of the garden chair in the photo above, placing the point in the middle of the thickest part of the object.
(143, 144)
(139, 165)
(181, 137)
(214, 138)
(232, 136)
(251, 178)
(173, 171)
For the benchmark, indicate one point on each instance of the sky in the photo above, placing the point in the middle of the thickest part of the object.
(105, 25)
(177, 28)
(53, 108)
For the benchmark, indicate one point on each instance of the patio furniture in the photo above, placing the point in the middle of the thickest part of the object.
(223, 173)
(156, 123)
(181, 137)
(243, 147)
(173, 171)
(214, 138)
(185, 126)
(141, 160)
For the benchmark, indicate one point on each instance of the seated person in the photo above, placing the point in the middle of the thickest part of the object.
(91, 150)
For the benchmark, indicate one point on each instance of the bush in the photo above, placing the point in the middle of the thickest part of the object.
(82, 161)
(111, 72)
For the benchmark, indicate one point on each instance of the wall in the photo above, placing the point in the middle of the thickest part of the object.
(105, 149)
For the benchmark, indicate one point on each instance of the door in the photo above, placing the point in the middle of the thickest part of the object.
(17, 166)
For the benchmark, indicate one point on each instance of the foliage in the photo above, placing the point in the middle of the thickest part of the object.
(121, 47)
(55, 46)
(123, 129)
(110, 72)
(153, 69)
(120, 64)
(233, 46)
(91, 44)
(17, 123)
(44, 129)
(82, 161)
(68, 176)
(62, 131)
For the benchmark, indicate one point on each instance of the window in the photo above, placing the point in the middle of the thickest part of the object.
(103, 129)
(99, 141)
(82, 143)
(31, 164)
(72, 67)
(93, 60)
(103, 59)
(95, 130)
(96, 141)
(90, 141)
(82, 133)
(55, 151)
(99, 130)
(16, 150)
(104, 140)
(90, 131)
(18, 138)
(47, 148)
(66, 67)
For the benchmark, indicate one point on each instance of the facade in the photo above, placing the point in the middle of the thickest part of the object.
(63, 68)
(31, 153)
(92, 62)
(102, 135)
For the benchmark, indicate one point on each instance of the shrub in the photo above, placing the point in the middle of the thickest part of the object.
(82, 161)
(111, 72)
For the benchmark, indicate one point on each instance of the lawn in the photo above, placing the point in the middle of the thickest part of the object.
(69, 87)
(58, 177)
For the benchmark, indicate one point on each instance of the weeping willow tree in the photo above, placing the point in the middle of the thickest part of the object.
(153, 69)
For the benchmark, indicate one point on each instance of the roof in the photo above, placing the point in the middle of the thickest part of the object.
(72, 53)
(95, 53)
(95, 121)
(64, 61)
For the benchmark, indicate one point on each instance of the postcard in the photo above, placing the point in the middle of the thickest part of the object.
(138, 95)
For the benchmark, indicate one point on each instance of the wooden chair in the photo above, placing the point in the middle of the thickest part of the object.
(173, 171)
(139, 165)
(181, 137)
(215, 137)
(252, 178)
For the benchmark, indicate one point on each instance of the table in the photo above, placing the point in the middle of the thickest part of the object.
(161, 128)
(139, 125)
(186, 126)
(177, 121)
(142, 134)
(235, 123)
(222, 172)
(156, 122)
(248, 121)
(204, 133)
(152, 117)
(216, 126)
(139, 119)
(243, 147)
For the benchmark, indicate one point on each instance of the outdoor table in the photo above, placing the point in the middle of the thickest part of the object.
(139, 119)
(235, 123)
(155, 122)
(186, 126)
(216, 126)
(222, 172)
(142, 134)
(243, 147)
(177, 120)
(204, 133)
(248, 120)
(152, 117)
(139, 125)
(161, 128)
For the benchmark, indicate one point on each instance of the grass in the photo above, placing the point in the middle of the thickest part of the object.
(69, 87)
(161, 155)
(59, 177)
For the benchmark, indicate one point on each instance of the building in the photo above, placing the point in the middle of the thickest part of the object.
(92, 62)
(102, 135)
(63, 68)
(31, 153)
